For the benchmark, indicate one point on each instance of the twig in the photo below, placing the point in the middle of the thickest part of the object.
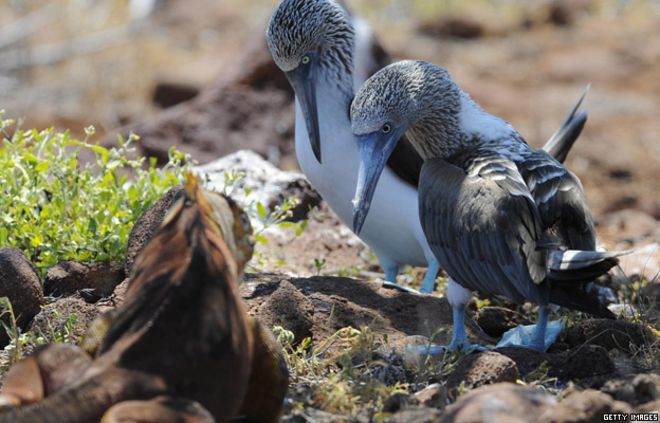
(54, 53)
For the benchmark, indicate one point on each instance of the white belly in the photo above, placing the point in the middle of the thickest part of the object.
(392, 228)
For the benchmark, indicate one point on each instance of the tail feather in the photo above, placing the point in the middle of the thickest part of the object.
(580, 266)
(578, 297)
(561, 142)
(569, 272)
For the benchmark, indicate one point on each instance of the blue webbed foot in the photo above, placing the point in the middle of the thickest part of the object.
(537, 337)
(524, 336)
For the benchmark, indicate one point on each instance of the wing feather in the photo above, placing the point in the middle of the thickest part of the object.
(481, 222)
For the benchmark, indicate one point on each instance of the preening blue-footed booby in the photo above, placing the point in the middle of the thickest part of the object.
(326, 55)
(502, 218)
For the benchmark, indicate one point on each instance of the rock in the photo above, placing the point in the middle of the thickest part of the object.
(453, 27)
(609, 334)
(68, 277)
(649, 407)
(147, 225)
(266, 183)
(20, 283)
(565, 12)
(585, 407)
(434, 396)
(501, 402)
(248, 106)
(170, 93)
(398, 402)
(416, 415)
(67, 318)
(582, 362)
(331, 303)
(485, 368)
(289, 308)
(497, 320)
(635, 390)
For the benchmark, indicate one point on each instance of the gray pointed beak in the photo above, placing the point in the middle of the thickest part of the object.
(302, 80)
(375, 149)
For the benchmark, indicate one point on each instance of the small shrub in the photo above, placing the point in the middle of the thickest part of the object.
(56, 206)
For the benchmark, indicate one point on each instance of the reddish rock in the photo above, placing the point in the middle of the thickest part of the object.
(434, 395)
(585, 407)
(502, 402)
(248, 106)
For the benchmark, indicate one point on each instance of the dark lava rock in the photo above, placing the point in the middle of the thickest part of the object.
(416, 415)
(288, 308)
(485, 368)
(583, 362)
(69, 277)
(497, 320)
(170, 93)
(634, 390)
(453, 27)
(57, 317)
(501, 402)
(332, 303)
(398, 402)
(20, 283)
(147, 225)
(585, 407)
(619, 334)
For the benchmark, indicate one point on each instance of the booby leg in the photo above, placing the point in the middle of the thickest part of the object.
(458, 297)
(428, 284)
(391, 269)
(536, 337)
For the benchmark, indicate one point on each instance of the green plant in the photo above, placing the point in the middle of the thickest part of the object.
(64, 198)
(11, 328)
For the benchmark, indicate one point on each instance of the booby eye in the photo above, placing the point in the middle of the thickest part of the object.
(304, 60)
(386, 128)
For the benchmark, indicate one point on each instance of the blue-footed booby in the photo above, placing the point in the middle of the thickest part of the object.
(502, 218)
(326, 55)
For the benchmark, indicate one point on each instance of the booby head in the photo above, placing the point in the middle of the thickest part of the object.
(306, 38)
(412, 97)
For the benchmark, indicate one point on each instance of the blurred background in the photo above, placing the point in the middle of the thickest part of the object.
(196, 74)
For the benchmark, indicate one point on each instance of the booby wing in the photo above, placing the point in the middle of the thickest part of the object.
(482, 223)
(560, 200)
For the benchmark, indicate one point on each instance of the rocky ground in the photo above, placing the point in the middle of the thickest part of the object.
(529, 67)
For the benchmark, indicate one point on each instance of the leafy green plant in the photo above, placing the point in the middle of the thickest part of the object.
(64, 198)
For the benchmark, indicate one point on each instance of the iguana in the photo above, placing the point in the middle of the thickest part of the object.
(180, 348)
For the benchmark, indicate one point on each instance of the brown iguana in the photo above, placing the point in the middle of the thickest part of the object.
(180, 348)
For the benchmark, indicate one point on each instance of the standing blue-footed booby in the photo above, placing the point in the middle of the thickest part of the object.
(502, 218)
(327, 54)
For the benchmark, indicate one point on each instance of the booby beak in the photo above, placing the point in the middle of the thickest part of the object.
(302, 79)
(375, 149)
